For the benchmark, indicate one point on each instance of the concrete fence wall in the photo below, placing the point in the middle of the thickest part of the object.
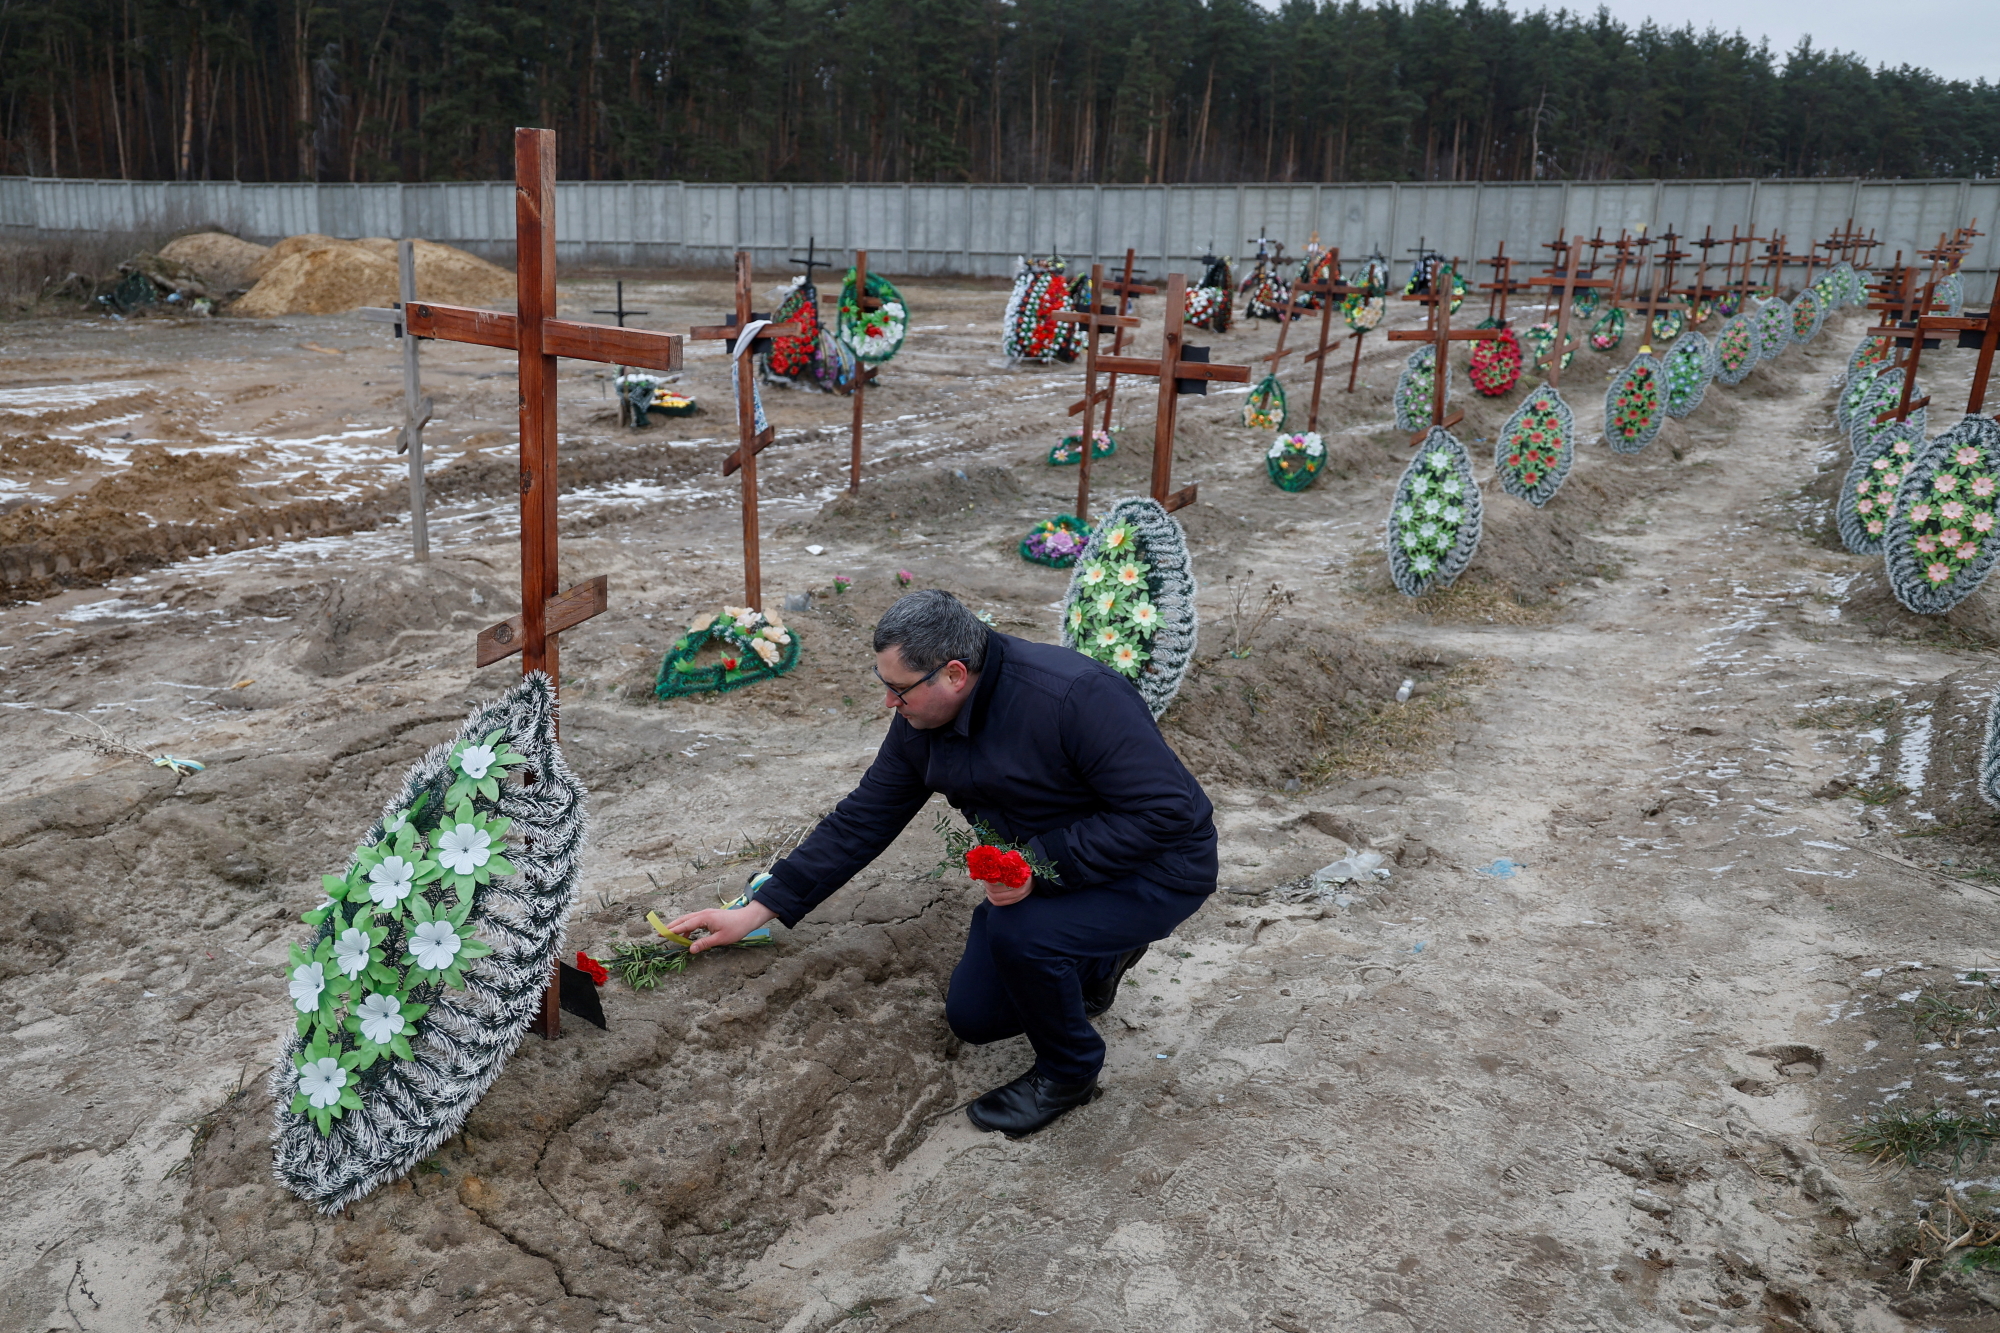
(980, 229)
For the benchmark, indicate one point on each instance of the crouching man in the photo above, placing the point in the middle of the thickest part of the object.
(1050, 750)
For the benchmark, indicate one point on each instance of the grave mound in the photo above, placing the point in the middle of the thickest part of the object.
(1935, 747)
(931, 499)
(1280, 711)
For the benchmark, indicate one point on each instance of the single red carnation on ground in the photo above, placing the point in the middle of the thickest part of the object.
(1014, 871)
(591, 968)
(983, 863)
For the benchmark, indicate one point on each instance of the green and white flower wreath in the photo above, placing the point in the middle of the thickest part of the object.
(1735, 349)
(431, 954)
(1434, 525)
(1772, 326)
(1941, 541)
(1950, 293)
(1415, 388)
(1868, 495)
(1130, 602)
(1690, 365)
(1855, 394)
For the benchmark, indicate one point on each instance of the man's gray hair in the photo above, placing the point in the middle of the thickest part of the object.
(931, 628)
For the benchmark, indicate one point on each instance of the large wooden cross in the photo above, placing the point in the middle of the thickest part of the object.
(538, 337)
(1127, 291)
(1328, 291)
(1180, 369)
(1094, 320)
(1441, 335)
(749, 440)
(1563, 283)
(1503, 285)
(864, 374)
(1659, 296)
(1698, 292)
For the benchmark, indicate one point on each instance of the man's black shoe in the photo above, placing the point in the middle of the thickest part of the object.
(1098, 995)
(1029, 1103)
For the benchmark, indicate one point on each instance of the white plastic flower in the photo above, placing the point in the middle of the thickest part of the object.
(463, 848)
(750, 619)
(1313, 446)
(308, 981)
(1144, 615)
(1125, 657)
(1092, 574)
(893, 309)
(1439, 459)
(391, 881)
(1453, 514)
(321, 1081)
(382, 1018)
(767, 650)
(1278, 449)
(1107, 637)
(475, 760)
(350, 952)
(435, 944)
(1433, 507)
(1129, 575)
(775, 634)
(1453, 486)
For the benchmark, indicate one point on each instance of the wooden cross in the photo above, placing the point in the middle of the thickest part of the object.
(1286, 313)
(1563, 284)
(1659, 298)
(618, 309)
(538, 337)
(1127, 291)
(749, 440)
(864, 374)
(1328, 290)
(416, 407)
(1739, 283)
(1180, 369)
(1094, 320)
(1503, 285)
(1441, 335)
(1698, 292)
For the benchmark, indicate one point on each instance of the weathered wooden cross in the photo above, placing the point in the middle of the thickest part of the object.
(416, 407)
(1698, 293)
(1440, 335)
(1127, 291)
(1328, 290)
(864, 374)
(538, 337)
(1659, 296)
(1503, 285)
(621, 311)
(1563, 283)
(1094, 321)
(749, 440)
(1180, 369)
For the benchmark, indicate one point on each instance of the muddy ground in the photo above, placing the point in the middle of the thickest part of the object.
(1603, 1092)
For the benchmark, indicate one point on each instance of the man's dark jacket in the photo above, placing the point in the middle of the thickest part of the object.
(1053, 750)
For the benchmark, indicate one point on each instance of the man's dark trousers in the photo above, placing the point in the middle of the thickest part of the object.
(1026, 964)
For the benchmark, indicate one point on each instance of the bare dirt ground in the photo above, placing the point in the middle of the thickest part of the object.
(1602, 1093)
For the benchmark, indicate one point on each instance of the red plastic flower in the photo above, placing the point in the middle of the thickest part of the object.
(591, 968)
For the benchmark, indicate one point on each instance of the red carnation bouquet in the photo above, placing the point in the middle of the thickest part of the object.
(994, 865)
(987, 857)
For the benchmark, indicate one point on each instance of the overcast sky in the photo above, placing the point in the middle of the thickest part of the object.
(1957, 39)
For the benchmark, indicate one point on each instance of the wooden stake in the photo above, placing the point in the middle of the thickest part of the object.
(862, 373)
(1094, 321)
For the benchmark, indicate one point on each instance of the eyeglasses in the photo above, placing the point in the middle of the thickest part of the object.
(903, 694)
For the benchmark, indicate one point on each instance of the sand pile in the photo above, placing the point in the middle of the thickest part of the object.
(319, 275)
(223, 262)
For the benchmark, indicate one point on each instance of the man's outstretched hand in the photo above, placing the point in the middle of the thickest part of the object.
(724, 925)
(1000, 895)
